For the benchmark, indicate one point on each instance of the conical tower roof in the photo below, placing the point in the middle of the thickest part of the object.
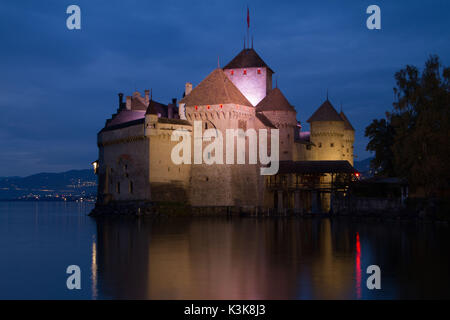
(151, 109)
(274, 101)
(348, 125)
(247, 58)
(216, 88)
(326, 112)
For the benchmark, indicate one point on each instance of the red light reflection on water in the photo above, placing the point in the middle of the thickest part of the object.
(358, 267)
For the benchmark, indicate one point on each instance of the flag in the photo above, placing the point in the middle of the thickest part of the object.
(248, 18)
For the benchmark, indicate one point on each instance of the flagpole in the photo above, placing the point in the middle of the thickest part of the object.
(248, 27)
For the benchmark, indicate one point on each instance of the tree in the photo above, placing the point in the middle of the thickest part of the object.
(413, 141)
(381, 135)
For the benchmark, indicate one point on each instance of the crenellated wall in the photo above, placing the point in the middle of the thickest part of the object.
(225, 184)
(328, 138)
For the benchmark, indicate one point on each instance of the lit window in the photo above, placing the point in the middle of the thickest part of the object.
(245, 72)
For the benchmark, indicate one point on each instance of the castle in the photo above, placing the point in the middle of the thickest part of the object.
(135, 146)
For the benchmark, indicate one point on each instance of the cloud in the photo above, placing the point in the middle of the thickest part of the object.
(58, 86)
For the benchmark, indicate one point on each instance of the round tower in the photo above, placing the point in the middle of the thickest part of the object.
(282, 114)
(250, 74)
(327, 133)
(349, 139)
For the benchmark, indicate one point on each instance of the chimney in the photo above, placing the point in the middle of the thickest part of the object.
(171, 107)
(128, 104)
(170, 111)
(120, 100)
(147, 94)
(188, 88)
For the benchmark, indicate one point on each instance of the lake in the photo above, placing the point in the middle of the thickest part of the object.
(215, 258)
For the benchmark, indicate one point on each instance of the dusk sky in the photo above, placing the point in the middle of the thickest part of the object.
(58, 86)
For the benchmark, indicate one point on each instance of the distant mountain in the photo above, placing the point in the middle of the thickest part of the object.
(363, 167)
(69, 184)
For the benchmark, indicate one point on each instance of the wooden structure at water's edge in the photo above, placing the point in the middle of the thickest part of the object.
(308, 186)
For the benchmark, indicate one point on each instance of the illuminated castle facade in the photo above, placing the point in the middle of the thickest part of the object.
(135, 145)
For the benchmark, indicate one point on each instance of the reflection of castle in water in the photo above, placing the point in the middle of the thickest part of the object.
(224, 259)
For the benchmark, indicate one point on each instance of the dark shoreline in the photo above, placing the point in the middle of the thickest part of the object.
(46, 200)
(149, 209)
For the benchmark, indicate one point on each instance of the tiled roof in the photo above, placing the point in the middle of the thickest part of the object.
(264, 120)
(274, 101)
(137, 102)
(216, 88)
(153, 107)
(348, 125)
(326, 112)
(329, 166)
(174, 121)
(247, 58)
(124, 125)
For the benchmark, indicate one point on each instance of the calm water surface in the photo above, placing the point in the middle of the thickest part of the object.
(215, 258)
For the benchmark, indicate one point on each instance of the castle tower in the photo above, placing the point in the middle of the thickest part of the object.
(250, 74)
(217, 104)
(282, 114)
(349, 139)
(327, 133)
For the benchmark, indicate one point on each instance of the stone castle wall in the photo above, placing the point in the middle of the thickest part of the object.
(328, 138)
(168, 181)
(224, 184)
(123, 164)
